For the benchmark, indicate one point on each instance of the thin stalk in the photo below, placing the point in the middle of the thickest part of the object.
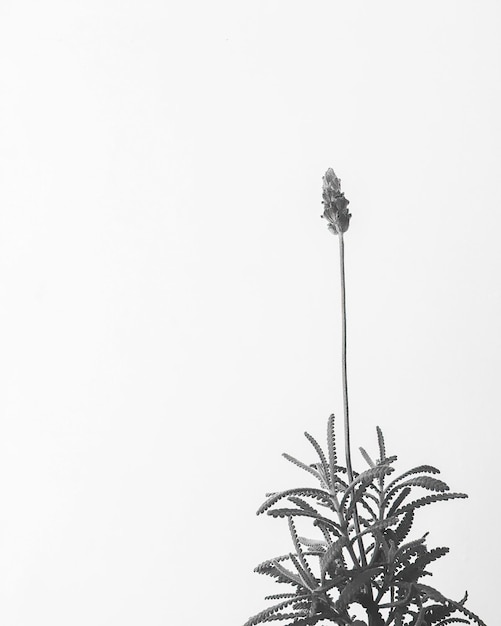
(347, 445)
(344, 362)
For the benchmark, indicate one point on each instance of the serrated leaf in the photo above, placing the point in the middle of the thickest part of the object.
(288, 512)
(269, 562)
(436, 553)
(261, 616)
(366, 507)
(325, 532)
(427, 469)
(334, 528)
(331, 553)
(321, 455)
(432, 593)
(306, 578)
(381, 544)
(302, 465)
(304, 563)
(377, 526)
(438, 612)
(331, 449)
(352, 588)
(404, 528)
(293, 578)
(390, 459)
(468, 613)
(282, 616)
(411, 545)
(398, 500)
(308, 621)
(366, 478)
(306, 506)
(358, 497)
(310, 492)
(400, 601)
(427, 482)
(436, 497)
(382, 448)
(280, 596)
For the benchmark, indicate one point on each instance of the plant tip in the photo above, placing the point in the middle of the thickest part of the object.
(335, 204)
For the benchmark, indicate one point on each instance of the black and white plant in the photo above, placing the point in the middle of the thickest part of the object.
(361, 555)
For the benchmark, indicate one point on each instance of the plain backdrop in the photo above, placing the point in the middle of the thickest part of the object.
(169, 318)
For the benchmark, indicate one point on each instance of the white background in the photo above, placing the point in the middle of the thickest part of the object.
(169, 296)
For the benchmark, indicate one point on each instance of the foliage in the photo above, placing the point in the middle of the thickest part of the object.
(379, 568)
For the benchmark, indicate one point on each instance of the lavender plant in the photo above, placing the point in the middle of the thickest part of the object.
(362, 552)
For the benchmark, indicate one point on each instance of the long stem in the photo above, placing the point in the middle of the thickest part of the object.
(347, 445)
(344, 361)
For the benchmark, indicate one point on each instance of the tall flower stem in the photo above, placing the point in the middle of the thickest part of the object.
(344, 361)
(347, 445)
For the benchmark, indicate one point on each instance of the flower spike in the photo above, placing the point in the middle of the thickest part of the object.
(335, 204)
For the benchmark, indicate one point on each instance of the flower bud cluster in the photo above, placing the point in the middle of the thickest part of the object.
(335, 204)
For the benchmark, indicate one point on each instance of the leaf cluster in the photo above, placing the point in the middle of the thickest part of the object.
(362, 553)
